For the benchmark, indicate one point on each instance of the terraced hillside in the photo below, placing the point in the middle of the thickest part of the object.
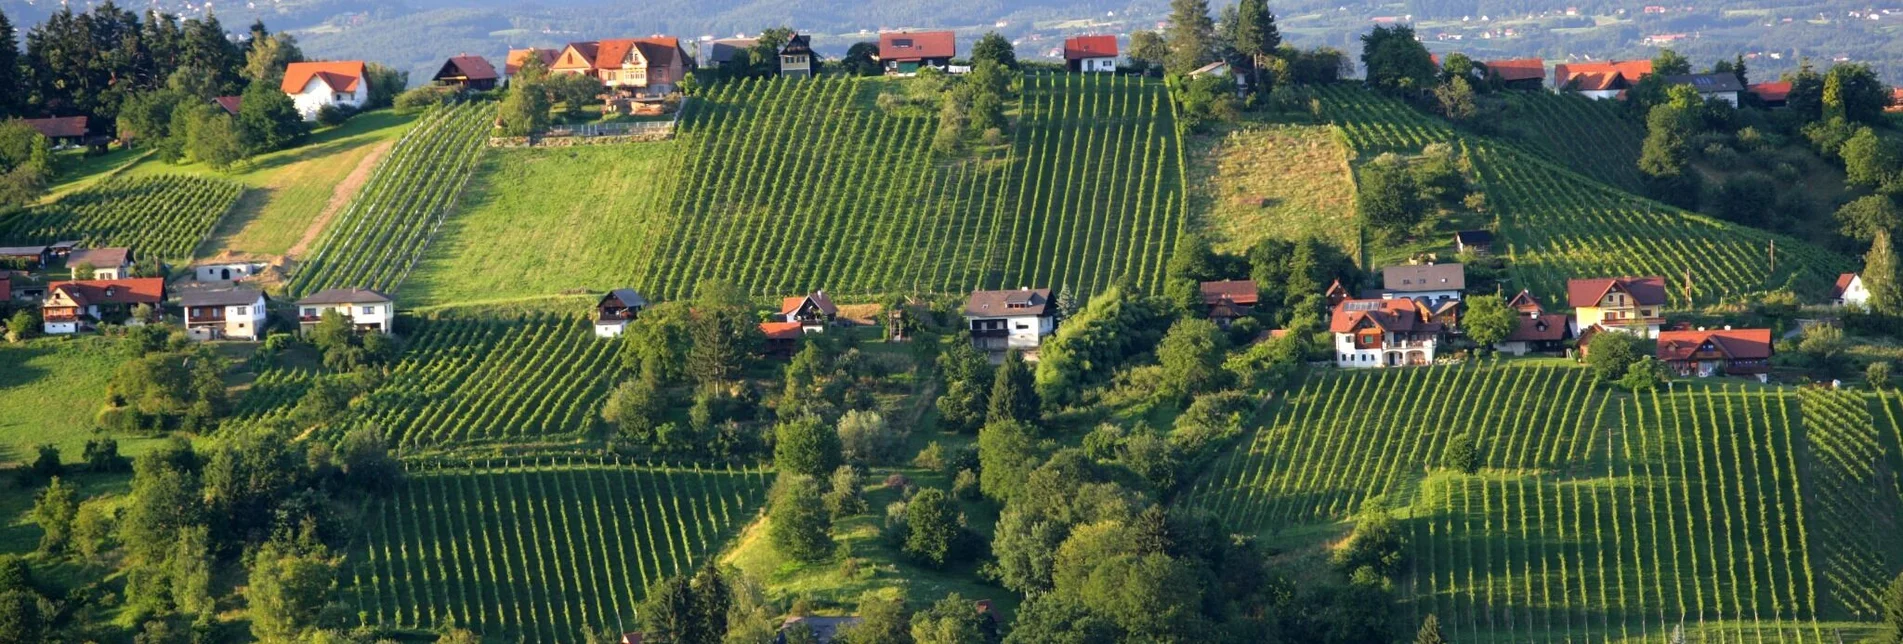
(161, 217)
(1742, 512)
(540, 550)
(1591, 137)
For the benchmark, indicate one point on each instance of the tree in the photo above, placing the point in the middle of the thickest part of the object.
(1460, 454)
(1005, 458)
(1645, 374)
(1191, 355)
(1611, 354)
(23, 325)
(13, 91)
(1376, 542)
(881, 621)
(1255, 36)
(724, 333)
(993, 47)
(1807, 92)
(713, 599)
(1880, 276)
(92, 532)
(574, 91)
(268, 119)
(1823, 343)
(1893, 609)
(952, 620)
(1456, 99)
(264, 64)
(635, 407)
(26, 164)
(54, 511)
(1853, 92)
(967, 377)
(1387, 197)
(214, 139)
(931, 527)
(524, 112)
(668, 613)
(1668, 130)
(1488, 320)
(844, 499)
(20, 617)
(1670, 63)
(866, 438)
(288, 587)
(800, 528)
(1866, 216)
(1877, 375)
(805, 446)
(102, 456)
(1014, 394)
(862, 59)
(1871, 159)
(1191, 36)
(363, 458)
(1395, 60)
(1430, 631)
(1148, 51)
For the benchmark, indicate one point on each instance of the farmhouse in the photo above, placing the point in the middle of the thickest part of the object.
(813, 312)
(24, 257)
(1850, 291)
(1089, 54)
(1229, 300)
(366, 309)
(225, 271)
(615, 310)
(643, 66)
(1724, 87)
(1336, 294)
(904, 52)
(102, 263)
(1773, 94)
(1724, 351)
(312, 86)
(1517, 73)
(1478, 242)
(466, 72)
(1430, 284)
(71, 307)
(1535, 330)
(1630, 304)
(62, 131)
(781, 337)
(797, 57)
(1382, 333)
(1600, 80)
(231, 314)
(1004, 320)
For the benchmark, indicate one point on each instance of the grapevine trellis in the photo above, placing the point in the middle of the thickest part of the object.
(159, 217)
(1592, 137)
(1744, 513)
(377, 240)
(796, 185)
(540, 549)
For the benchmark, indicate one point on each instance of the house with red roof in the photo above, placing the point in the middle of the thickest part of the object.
(316, 85)
(1629, 304)
(1229, 300)
(645, 66)
(1091, 54)
(1600, 80)
(466, 72)
(60, 131)
(1705, 353)
(1850, 291)
(781, 337)
(1517, 73)
(813, 311)
(1383, 333)
(904, 52)
(1773, 94)
(519, 57)
(1534, 330)
(230, 104)
(75, 306)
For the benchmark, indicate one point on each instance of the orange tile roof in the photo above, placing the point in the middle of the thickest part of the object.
(473, 67)
(1736, 344)
(519, 56)
(141, 290)
(1517, 69)
(340, 75)
(917, 45)
(1082, 47)
(1601, 76)
(781, 330)
(1772, 91)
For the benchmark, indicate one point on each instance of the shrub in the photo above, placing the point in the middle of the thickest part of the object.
(1461, 454)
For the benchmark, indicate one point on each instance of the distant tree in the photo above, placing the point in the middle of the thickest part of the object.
(1013, 392)
(1881, 276)
(1669, 127)
(952, 620)
(866, 438)
(363, 458)
(1864, 217)
(46, 465)
(725, 335)
(967, 377)
(1488, 320)
(26, 164)
(1461, 455)
(1376, 543)
(862, 59)
(268, 119)
(1670, 63)
(23, 325)
(102, 456)
(92, 532)
(1824, 344)
(1871, 159)
(1387, 196)
(668, 612)
(1149, 53)
(635, 407)
(1645, 374)
(54, 511)
(931, 527)
(1395, 60)
(1807, 92)
(1749, 198)
(995, 48)
(1455, 96)
(1191, 355)
(214, 139)
(844, 499)
(1854, 92)
(524, 111)
(1006, 457)
(267, 58)
(1877, 375)
(655, 345)
(1191, 36)
(385, 84)
(1430, 631)
(806, 446)
(1893, 609)
(574, 91)
(881, 621)
(13, 90)
(288, 588)
(20, 617)
(799, 527)
(1611, 354)
(1254, 36)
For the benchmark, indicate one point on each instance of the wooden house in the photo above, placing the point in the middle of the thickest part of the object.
(813, 312)
(466, 72)
(61, 131)
(1516, 73)
(635, 66)
(75, 306)
(797, 58)
(1716, 352)
(1229, 300)
(615, 310)
(24, 257)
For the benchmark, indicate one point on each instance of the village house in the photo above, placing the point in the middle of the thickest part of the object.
(518, 57)
(905, 52)
(1478, 242)
(1517, 73)
(1724, 87)
(313, 86)
(1003, 320)
(722, 52)
(1849, 291)
(638, 66)
(1229, 300)
(1221, 69)
(1534, 330)
(615, 310)
(1600, 80)
(239, 313)
(1727, 351)
(1382, 333)
(813, 311)
(467, 73)
(1774, 94)
(1091, 54)
(101, 263)
(1435, 289)
(61, 131)
(217, 271)
(1630, 304)
(24, 257)
(797, 59)
(1336, 294)
(75, 306)
(367, 310)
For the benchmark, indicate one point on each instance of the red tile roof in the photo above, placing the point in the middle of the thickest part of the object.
(1601, 76)
(1517, 69)
(1735, 344)
(59, 127)
(1390, 315)
(1082, 47)
(1549, 327)
(141, 290)
(585, 56)
(340, 75)
(1645, 291)
(1526, 302)
(1238, 292)
(519, 56)
(781, 330)
(820, 299)
(1896, 100)
(1843, 284)
(474, 67)
(1772, 91)
(230, 103)
(917, 45)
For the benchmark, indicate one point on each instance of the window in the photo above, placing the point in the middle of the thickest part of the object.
(244, 310)
(310, 312)
(369, 310)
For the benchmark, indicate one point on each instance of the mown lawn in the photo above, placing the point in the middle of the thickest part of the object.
(1253, 181)
(50, 389)
(547, 221)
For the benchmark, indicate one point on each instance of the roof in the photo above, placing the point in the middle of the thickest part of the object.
(345, 296)
(657, 51)
(100, 257)
(1000, 304)
(340, 75)
(586, 51)
(1218, 67)
(1082, 47)
(59, 127)
(1843, 284)
(1424, 277)
(798, 44)
(1525, 300)
(138, 290)
(1735, 344)
(240, 296)
(1708, 83)
(22, 251)
(1238, 292)
(825, 629)
(1474, 237)
(471, 67)
(781, 330)
(819, 298)
(230, 103)
(1517, 69)
(1549, 327)
(1771, 92)
(1389, 315)
(916, 45)
(1601, 76)
(723, 50)
(627, 297)
(1646, 291)
(519, 56)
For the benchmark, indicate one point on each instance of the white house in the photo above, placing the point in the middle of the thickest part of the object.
(1091, 54)
(368, 310)
(229, 314)
(105, 263)
(1003, 320)
(1430, 283)
(1850, 292)
(1382, 333)
(225, 271)
(615, 310)
(1625, 304)
(338, 83)
(1724, 87)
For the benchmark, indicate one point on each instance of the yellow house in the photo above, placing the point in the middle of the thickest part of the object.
(1630, 304)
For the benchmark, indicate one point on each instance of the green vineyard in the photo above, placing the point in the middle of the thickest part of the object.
(1734, 511)
(389, 224)
(540, 551)
(163, 217)
(787, 186)
(1591, 137)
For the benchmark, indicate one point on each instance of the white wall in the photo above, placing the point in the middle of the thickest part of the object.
(316, 95)
(378, 314)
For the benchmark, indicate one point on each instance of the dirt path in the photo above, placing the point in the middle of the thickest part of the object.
(339, 198)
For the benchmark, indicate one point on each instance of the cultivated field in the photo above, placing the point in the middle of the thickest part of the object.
(1254, 180)
(1592, 137)
(1742, 512)
(540, 550)
(161, 217)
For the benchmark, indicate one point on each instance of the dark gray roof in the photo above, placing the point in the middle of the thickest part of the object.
(725, 49)
(22, 250)
(1424, 277)
(240, 296)
(1480, 237)
(798, 44)
(628, 297)
(1018, 303)
(1708, 83)
(345, 296)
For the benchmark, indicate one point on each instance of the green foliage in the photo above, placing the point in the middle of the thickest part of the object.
(1611, 354)
(655, 345)
(724, 334)
(636, 407)
(1871, 159)
(1488, 320)
(54, 511)
(288, 587)
(1014, 392)
(1460, 454)
(268, 119)
(866, 438)
(844, 499)
(952, 620)
(932, 527)
(1853, 92)
(20, 617)
(1882, 277)
(1192, 354)
(1114, 327)
(1376, 544)
(1645, 374)
(1877, 375)
(25, 164)
(1005, 456)
(1388, 198)
(994, 48)
(967, 377)
(881, 621)
(1191, 37)
(806, 446)
(1395, 61)
(1669, 128)
(800, 528)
